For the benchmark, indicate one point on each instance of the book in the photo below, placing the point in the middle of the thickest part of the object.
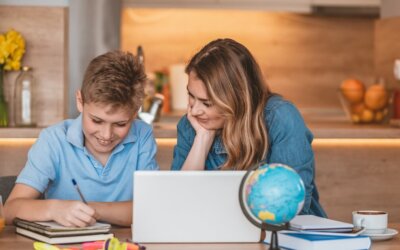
(355, 232)
(315, 223)
(308, 241)
(54, 233)
(65, 239)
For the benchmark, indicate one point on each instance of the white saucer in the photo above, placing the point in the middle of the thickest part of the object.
(390, 233)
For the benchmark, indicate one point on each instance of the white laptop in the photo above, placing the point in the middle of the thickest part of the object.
(189, 206)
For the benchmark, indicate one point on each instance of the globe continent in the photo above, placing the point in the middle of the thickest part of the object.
(275, 193)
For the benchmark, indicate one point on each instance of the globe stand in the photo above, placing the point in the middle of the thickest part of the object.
(274, 244)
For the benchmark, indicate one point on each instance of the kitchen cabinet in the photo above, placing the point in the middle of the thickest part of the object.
(46, 3)
(364, 8)
(299, 6)
(346, 3)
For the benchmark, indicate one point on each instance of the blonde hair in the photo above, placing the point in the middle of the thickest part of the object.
(236, 86)
(115, 78)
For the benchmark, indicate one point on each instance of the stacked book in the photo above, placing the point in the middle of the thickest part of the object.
(54, 233)
(310, 232)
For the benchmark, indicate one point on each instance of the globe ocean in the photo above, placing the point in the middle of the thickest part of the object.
(274, 193)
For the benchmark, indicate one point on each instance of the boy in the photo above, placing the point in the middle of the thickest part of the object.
(100, 150)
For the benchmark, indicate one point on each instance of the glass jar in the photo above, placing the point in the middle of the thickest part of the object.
(24, 98)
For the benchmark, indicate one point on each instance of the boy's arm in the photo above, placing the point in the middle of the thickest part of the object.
(116, 213)
(23, 203)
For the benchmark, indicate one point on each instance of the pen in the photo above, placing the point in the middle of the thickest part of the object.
(79, 191)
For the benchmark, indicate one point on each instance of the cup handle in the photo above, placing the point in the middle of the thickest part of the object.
(360, 222)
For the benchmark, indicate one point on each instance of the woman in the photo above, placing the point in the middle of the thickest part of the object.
(233, 120)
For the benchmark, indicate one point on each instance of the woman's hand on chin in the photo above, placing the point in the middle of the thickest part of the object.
(200, 130)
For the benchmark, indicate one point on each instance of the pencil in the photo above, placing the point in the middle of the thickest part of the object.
(79, 191)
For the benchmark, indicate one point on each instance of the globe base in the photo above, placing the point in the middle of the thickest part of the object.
(274, 243)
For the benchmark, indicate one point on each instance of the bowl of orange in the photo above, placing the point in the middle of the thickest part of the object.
(365, 104)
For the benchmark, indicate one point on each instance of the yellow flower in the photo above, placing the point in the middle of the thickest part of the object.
(12, 49)
(12, 65)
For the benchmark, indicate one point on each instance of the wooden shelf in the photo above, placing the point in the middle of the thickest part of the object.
(19, 132)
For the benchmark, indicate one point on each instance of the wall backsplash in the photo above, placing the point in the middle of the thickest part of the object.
(45, 32)
(303, 57)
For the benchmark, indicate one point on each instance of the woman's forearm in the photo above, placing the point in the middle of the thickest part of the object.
(197, 156)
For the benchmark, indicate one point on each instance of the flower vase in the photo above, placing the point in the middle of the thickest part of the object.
(3, 103)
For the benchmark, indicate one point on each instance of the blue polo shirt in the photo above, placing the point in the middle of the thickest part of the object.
(59, 155)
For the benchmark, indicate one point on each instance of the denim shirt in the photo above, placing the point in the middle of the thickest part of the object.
(289, 143)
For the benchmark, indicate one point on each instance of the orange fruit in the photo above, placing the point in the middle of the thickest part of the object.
(355, 118)
(353, 90)
(379, 116)
(357, 108)
(367, 116)
(376, 97)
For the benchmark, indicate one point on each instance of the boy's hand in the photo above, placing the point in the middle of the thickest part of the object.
(72, 213)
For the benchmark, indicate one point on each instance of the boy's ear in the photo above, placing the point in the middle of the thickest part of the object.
(79, 101)
(135, 115)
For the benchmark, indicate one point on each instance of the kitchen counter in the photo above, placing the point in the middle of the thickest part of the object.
(321, 127)
(334, 124)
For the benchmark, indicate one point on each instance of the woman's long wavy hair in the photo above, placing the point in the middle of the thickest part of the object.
(236, 86)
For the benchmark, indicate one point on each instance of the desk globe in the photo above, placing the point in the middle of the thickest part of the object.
(271, 195)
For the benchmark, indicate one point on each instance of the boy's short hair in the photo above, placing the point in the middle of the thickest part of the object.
(115, 78)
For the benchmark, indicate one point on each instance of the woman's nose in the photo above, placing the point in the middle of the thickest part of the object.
(196, 109)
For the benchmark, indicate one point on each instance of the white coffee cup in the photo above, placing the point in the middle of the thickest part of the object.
(374, 222)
